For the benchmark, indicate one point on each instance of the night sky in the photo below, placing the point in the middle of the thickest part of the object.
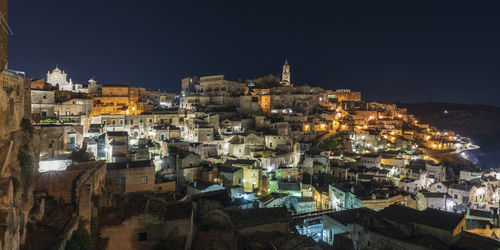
(410, 51)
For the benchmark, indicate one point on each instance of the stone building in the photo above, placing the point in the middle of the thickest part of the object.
(141, 221)
(344, 95)
(116, 147)
(42, 104)
(231, 175)
(219, 86)
(59, 139)
(58, 78)
(121, 99)
(131, 176)
(190, 85)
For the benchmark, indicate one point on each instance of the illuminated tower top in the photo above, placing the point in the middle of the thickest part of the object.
(285, 77)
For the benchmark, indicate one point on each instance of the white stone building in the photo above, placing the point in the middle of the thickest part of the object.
(60, 79)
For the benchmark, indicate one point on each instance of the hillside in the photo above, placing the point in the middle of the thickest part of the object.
(479, 122)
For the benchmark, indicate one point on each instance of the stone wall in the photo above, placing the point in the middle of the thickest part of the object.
(18, 159)
(15, 103)
(67, 185)
(126, 235)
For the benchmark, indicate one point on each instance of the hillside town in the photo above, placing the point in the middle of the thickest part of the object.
(236, 164)
(261, 163)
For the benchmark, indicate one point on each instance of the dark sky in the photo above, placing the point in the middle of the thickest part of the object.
(444, 51)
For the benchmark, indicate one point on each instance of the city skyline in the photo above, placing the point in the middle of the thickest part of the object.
(378, 49)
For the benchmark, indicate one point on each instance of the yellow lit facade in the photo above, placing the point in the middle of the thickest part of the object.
(122, 100)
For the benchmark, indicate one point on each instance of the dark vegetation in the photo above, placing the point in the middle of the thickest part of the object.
(337, 143)
(27, 126)
(81, 155)
(26, 164)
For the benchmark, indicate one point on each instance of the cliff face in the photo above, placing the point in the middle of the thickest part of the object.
(481, 123)
(17, 161)
(3, 35)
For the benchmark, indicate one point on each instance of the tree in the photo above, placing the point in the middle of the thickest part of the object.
(81, 239)
(336, 143)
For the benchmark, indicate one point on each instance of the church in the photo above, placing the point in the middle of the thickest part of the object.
(58, 78)
(285, 76)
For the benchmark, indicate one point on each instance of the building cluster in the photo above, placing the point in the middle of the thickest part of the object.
(252, 164)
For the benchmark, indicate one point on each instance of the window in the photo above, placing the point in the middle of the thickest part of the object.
(150, 121)
(455, 196)
(439, 186)
(143, 236)
(126, 121)
(144, 180)
(131, 121)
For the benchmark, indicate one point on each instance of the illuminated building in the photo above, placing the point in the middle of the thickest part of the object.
(343, 95)
(219, 86)
(285, 76)
(121, 99)
(60, 79)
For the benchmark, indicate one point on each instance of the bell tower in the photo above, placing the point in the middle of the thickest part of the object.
(285, 77)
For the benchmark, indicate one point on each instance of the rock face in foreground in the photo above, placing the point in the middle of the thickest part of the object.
(481, 123)
(17, 161)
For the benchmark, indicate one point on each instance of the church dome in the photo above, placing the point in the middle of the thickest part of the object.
(57, 70)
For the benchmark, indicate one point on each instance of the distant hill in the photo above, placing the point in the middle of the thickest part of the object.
(481, 123)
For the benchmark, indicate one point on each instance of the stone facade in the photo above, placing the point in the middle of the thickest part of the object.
(16, 157)
(60, 79)
(218, 86)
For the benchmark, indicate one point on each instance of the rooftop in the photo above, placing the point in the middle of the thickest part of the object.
(429, 217)
(129, 164)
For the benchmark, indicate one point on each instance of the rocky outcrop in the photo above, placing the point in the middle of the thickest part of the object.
(17, 159)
